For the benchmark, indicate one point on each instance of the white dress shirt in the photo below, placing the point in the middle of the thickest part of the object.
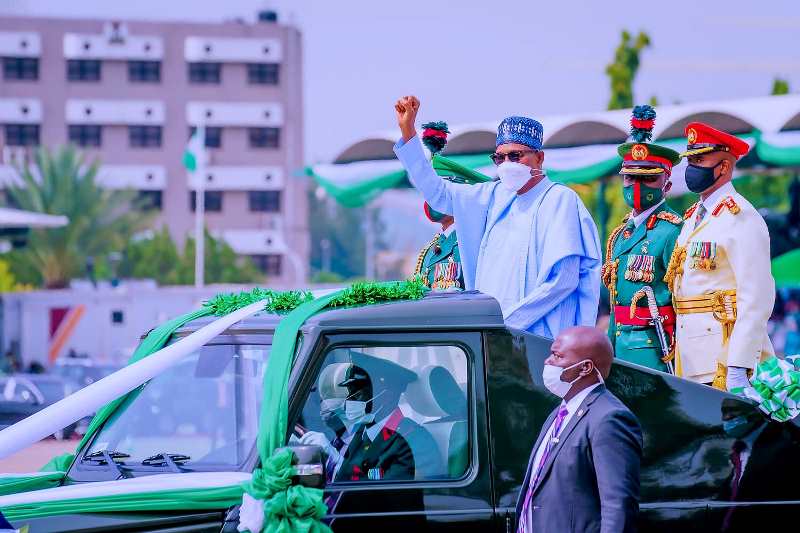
(572, 405)
(713, 199)
(644, 215)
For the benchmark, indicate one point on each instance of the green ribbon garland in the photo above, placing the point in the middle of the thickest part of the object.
(776, 389)
(287, 508)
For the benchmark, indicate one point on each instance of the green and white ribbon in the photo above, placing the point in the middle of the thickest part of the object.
(268, 494)
(775, 386)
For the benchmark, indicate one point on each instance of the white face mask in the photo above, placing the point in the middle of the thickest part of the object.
(331, 406)
(514, 176)
(551, 376)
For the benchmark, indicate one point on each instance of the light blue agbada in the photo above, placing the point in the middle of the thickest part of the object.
(538, 253)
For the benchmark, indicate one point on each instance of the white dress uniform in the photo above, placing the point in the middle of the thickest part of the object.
(723, 290)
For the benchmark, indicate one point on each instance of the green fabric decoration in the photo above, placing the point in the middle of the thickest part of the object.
(45, 480)
(287, 508)
(185, 500)
(445, 166)
(776, 389)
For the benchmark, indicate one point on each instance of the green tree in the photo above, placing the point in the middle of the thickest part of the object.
(343, 228)
(157, 257)
(780, 86)
(622, 70)
(101, 221)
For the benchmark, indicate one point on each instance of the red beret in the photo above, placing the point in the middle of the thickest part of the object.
(702, 138)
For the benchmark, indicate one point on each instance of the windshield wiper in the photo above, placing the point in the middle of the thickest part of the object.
(169, 460)
(108, 458)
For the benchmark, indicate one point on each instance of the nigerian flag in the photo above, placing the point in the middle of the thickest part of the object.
(195, 150)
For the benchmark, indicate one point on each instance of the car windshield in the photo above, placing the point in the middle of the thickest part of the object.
(205, 407)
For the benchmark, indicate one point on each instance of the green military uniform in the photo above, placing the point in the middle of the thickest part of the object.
(638, 255)
(439, 263)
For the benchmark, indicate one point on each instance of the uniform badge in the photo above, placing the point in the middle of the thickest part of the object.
(645, 245)
(639, 152)
(640, 268)
(703, 255)
(691, 136)
(375, 474)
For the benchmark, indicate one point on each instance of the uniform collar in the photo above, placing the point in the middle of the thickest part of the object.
(715, 197)
(644, 215)
(450, 229)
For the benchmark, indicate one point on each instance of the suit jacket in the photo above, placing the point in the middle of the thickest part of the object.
(590, 481)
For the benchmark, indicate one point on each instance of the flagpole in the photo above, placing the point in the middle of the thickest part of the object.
(200, 207)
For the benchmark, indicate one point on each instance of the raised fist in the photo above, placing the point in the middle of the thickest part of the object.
(406, 109)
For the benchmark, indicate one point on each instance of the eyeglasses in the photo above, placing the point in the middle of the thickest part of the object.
(513, 156)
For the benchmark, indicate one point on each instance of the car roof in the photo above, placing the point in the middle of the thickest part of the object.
(436, 310)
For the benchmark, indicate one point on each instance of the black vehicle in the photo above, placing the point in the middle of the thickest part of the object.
(471, 390)
(21, 395)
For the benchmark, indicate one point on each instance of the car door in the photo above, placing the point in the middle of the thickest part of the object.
(418, 459)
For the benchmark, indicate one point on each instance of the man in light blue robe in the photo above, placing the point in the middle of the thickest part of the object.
(526, 241)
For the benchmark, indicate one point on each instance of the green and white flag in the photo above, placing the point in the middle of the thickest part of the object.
(195, 152)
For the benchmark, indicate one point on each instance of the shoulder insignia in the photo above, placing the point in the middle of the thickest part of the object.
(670, 217)
(689, 212)
(726, 203)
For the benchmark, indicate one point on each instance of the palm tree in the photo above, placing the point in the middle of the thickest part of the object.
(100, 220)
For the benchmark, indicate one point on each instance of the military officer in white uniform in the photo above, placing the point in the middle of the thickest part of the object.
(719, 273)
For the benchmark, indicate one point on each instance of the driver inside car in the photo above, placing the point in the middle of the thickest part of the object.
(371, 432)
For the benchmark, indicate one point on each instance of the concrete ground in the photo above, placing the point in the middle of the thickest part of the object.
(32, 458)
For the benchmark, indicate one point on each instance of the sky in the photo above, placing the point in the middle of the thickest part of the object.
(478, 61)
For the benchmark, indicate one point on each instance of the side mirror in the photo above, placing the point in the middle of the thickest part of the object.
(310, 465)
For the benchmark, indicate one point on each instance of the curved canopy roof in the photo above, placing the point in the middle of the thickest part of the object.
(580, 147)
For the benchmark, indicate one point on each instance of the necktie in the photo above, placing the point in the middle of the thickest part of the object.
(701, 212)
(525, 517)
(736, 460)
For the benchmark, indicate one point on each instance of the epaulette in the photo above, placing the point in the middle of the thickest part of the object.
(689, 212)
(670, 217)
(726, 203)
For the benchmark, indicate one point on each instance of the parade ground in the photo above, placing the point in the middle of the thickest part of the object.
(32, 458)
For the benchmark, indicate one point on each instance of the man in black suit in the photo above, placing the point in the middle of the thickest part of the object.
(583, 474)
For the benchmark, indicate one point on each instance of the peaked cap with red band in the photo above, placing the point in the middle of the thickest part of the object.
(641, 158)
(702, 139)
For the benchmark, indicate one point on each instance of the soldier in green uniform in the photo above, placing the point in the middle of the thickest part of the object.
(439, 262)
(638, 251)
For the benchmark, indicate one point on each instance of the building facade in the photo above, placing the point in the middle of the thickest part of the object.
(130, 94)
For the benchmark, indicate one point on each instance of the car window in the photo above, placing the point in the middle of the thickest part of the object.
(390, 413)
(205, 407)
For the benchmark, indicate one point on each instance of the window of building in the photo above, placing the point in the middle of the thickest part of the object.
(416, 412)
(263, 73)
(264, 137)
(213, 201)
(144, 136)
(22, 134)
(117, 317)
(20, 68)
(205, 72)
(85, 135)
(83, 70)
(213, 136)
(144, 71)
(269, 264)
(267, 201)
(147, 200)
